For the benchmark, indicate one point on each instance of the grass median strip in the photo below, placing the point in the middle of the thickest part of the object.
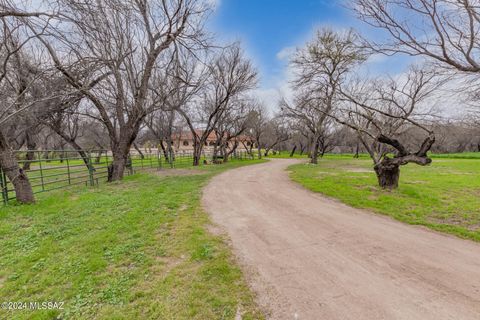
(137, 249)
(443, 196)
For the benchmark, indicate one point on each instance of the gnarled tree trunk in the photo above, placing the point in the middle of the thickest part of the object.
(314, 152)
(120, 153)
(388, 169)
(388, 174)
(197, 153)
(14, 173)
(120, 150)
(31, 146)
(116, 169)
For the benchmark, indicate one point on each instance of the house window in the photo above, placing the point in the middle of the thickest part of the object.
(185, 142)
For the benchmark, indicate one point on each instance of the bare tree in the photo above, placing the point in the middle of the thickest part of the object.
(161, 125)
(231, 127)
(125, 42)
(444, 30)
(229, 75)
(276, 132)
(321, 68)
(381, 110)
(256, 128)
(175, 89)
(18, 80)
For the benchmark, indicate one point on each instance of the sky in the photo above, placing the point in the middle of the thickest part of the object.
(270, 30)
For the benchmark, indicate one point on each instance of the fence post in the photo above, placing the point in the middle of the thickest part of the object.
(68, 171)
(90, 169)
(3, 186)
(41, 171)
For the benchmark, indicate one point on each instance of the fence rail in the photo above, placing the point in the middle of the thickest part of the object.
(50, 170)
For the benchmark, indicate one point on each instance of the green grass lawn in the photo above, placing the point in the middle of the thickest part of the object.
(464, 155)
(51, 174)
(444, 196)
(286, 154)
(136, 249)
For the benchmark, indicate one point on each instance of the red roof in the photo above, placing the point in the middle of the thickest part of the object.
(187, 135)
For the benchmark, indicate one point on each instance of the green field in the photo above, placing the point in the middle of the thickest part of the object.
(51, 174)
(136, 249)
(286, 154)
(444, 196)
(464, 155)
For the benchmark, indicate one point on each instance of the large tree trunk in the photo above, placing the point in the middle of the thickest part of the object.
(116, 169)
(388, 174)
(120, 158)
(197, 153)
(120, 150)
(293, 151)
(14, 173)
(314, 152)
(31, 146)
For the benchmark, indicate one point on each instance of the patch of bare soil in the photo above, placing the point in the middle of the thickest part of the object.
(308, 257)
(357, 169)
(455, 220)
(177, 172)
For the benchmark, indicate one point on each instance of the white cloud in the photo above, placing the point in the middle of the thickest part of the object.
(271, 95)
(214, 4)
(285, 53)
(377, 58)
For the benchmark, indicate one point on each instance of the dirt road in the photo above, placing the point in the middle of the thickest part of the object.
(309, 257)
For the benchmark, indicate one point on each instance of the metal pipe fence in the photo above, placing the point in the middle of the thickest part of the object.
(50, 170)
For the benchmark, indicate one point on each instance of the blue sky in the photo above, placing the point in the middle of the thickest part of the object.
(266, 27)
(270, 28)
